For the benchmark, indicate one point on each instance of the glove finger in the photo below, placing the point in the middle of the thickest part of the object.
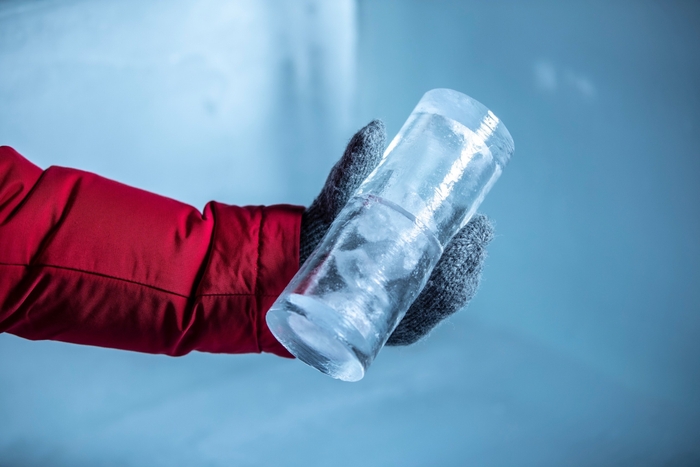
(362, 154)
(451, 285)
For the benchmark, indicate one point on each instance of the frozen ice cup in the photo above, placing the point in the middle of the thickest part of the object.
(344, 303)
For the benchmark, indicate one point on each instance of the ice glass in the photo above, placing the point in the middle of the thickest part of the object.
(344, 303)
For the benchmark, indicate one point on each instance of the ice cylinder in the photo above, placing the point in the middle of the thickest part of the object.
(346, 300)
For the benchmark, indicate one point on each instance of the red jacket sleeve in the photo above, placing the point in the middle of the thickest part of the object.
(88, 260)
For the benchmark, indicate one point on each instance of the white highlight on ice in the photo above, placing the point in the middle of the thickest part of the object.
(475, 142)
(546, 76)
(582, 84)
(548, 79)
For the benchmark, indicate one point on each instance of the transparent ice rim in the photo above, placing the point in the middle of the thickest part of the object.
(473, 115)
(312, 335)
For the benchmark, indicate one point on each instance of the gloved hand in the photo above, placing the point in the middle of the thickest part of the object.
(456, 276)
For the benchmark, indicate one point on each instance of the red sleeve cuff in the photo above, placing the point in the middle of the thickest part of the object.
(247, 283)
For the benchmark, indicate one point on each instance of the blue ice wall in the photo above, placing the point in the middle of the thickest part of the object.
(582, 345)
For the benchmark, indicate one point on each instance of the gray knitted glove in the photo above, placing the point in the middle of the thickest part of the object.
(456, 275)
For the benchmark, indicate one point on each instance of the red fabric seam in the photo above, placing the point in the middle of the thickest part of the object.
(107, 276)
(256, 312)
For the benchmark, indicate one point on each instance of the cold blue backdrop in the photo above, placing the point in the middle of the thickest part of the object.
(583, 344)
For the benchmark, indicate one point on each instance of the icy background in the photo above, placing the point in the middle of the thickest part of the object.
(583, 345)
